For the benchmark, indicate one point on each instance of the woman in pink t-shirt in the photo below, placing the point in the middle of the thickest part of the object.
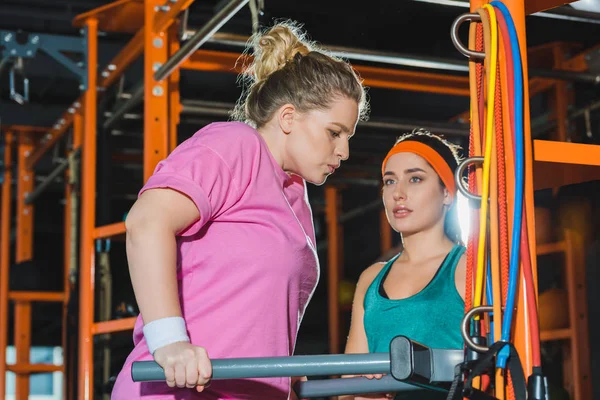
(220, 243)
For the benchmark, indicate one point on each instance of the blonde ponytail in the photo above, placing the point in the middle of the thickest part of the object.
(287, 68)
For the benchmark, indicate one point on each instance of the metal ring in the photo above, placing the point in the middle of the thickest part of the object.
(464, 328)
(458, 177)
(471, 54)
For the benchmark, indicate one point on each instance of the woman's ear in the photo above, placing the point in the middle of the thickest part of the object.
(447, 198)
(285, 117)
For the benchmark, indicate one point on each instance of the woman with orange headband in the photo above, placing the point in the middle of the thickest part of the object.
(419, 293)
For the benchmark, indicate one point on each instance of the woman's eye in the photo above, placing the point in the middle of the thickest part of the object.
(388, 182)
(415, 179)
(335, 134)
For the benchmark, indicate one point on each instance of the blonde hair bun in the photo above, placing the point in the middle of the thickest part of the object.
(276, 47)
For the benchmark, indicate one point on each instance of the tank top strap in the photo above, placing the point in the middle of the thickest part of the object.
(383, 273)
(451, 261)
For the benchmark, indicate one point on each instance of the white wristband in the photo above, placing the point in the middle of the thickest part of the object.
(164, 331)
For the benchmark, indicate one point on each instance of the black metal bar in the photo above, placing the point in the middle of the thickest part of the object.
(39, 189)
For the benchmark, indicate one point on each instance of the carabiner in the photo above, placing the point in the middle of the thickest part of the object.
(471, 54)
(464, 327)
(458, 177)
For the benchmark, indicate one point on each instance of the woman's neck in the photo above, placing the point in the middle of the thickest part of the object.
(425, 244)
(273, 137)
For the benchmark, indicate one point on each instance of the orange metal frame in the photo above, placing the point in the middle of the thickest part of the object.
(155, 37)
(22, 139)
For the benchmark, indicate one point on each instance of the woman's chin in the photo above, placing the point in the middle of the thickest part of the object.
(317, 180)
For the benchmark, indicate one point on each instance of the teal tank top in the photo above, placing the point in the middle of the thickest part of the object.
(431, 317)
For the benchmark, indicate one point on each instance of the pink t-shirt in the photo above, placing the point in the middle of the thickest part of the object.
(247, 268)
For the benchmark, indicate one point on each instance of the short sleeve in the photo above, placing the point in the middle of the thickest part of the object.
(201, 174)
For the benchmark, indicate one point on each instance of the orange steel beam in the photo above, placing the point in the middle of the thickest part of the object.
(566, 153)
(88, 221)
(109, 231)
(25, 178)
(173, 90)
(22, 346)
(221, 61)
(116, 325)
(333, 266)
(5, 254)
(156, 96)
(56, 297)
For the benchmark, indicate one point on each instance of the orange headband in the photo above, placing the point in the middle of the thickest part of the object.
(433, 157)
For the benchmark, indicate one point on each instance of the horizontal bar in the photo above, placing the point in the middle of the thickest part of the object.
(39, 189)
(49, 297)
(109, 231)
(349, 386)
(25, 369)
(318, 365)
(115, 325)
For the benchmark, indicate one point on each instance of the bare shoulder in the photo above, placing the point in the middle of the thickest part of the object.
(462, 262)
(369, 274)
(460, 275)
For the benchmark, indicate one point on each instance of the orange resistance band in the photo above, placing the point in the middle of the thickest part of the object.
(431, 156)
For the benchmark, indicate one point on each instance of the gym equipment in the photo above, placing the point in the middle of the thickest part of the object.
(501, 256)
(408, 366)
